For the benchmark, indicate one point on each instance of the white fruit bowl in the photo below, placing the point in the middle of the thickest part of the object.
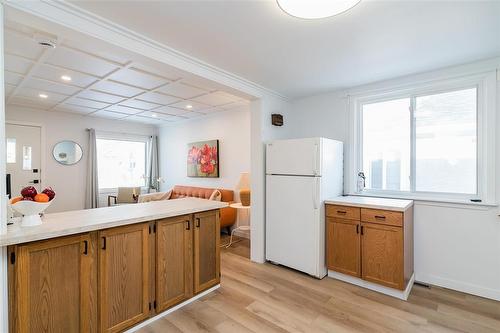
(31, 211)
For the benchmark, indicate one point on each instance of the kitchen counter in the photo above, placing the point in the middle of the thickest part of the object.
(80, 221)
(371, 202)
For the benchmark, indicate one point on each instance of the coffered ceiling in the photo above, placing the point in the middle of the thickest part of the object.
(97, 80)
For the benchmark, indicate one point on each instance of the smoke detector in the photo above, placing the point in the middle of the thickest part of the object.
(45, 41)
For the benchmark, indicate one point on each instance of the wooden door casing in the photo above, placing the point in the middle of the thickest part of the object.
(344, 246)
(206, 250)
(124, 279)
(382, 254)
(54, 285)
(174, 261)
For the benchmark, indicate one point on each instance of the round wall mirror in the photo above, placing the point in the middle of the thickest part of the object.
(67, 152)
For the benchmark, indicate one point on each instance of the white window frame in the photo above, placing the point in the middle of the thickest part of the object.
(124, 137)
(486, 122)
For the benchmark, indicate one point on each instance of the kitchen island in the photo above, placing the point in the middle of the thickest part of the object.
(109, 269)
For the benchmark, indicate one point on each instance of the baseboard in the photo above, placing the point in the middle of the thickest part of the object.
(472, 289)
(172, 309)
(401, 294)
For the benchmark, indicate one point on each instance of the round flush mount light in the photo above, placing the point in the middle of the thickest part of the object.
(154, 115)
(66, 78)
(315, 9)
(44, 96)
(189, 106)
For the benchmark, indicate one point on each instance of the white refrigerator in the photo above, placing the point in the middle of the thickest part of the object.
(300, 175)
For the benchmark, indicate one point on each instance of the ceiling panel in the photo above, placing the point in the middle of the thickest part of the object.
(134, 103)
(32, 102)
(191, 115)
(48, 86)
(116, 88)
(138, 78)
(12, 78)
(100, 97)
(86, 103)
(147, 120)
(74, 109)
(159, 115)
(109, 114)
(34, 95)
(123, 109)
(71, 59)
(155, 97)
(20, 44)
(53, 73)
(17, 64)
(195, 106)
(216, 98)
(182, 90)
(172, 111)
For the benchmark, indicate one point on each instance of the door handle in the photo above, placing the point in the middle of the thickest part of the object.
(357, 228)
(188, 225)
(315, 160)
(315, 193)
(362, 230)
(197, 222)
(85, 247)
(104, 243)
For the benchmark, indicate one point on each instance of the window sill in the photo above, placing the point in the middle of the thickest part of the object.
(441, 202)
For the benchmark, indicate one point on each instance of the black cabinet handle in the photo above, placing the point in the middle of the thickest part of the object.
(85, 247)
(188, 225)
(380, 217)
(197, 222)
(104, 243)
(357, 228)
(343, 212)
(362, 230)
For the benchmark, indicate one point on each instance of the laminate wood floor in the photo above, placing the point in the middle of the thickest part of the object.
(267, 298)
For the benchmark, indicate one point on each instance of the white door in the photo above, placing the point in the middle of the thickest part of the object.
(293, 222)
(23, 156)
(294, 157)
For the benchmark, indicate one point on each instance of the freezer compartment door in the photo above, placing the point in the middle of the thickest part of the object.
(294, 157)
(293, 222)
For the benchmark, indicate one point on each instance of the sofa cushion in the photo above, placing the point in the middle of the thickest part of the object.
(216, 196)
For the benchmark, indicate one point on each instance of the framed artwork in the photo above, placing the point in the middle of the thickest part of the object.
(203, 159)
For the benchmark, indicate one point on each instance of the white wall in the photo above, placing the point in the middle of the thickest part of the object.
(231, 128)
(456, 246)
(69, 180)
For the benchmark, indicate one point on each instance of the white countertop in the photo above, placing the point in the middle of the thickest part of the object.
(79, 221)
(371, 202)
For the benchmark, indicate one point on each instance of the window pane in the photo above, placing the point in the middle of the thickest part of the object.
(11, 150)
(446, 146)
(26, 158)
(386, 145)
(121, 163)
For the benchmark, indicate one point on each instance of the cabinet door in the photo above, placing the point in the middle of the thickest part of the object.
(343, 246)
(174, 261)
(382, 253)
(206, 250)
(123, 276)
(55, 286)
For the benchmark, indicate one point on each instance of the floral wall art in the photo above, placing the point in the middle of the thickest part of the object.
(203, 159)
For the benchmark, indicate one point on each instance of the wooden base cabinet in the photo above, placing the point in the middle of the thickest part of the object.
(206, 250)
(371, 244)
(174, 261)
(112, 279)
(53, 285)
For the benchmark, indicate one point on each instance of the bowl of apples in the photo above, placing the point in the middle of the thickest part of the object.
(32, 204)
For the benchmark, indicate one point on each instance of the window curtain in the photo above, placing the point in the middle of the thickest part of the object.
(92, 188)
(153, 165)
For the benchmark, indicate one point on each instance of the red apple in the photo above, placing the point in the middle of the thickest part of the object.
(50, 193)
(29, 191)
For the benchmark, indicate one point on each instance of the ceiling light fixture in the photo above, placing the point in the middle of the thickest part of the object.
(66, 78)
(315, 9)
(154, 115)
(189, 106)
(44, 96)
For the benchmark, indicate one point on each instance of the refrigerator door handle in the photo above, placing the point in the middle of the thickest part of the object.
(315, 193)
(315, 160)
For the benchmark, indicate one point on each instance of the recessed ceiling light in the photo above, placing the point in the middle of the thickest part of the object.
(315, 9)
(43, 96)
(189, 106)
(154, 115)
(66, 78)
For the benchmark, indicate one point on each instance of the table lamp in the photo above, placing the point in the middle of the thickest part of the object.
(244, 187)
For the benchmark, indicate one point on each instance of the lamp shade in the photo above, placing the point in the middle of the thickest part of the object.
(244, 182)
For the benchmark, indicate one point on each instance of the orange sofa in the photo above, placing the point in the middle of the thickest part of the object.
(227, 215)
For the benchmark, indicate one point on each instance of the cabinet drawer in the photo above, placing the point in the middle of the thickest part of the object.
(380, 216)
(345, 212)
